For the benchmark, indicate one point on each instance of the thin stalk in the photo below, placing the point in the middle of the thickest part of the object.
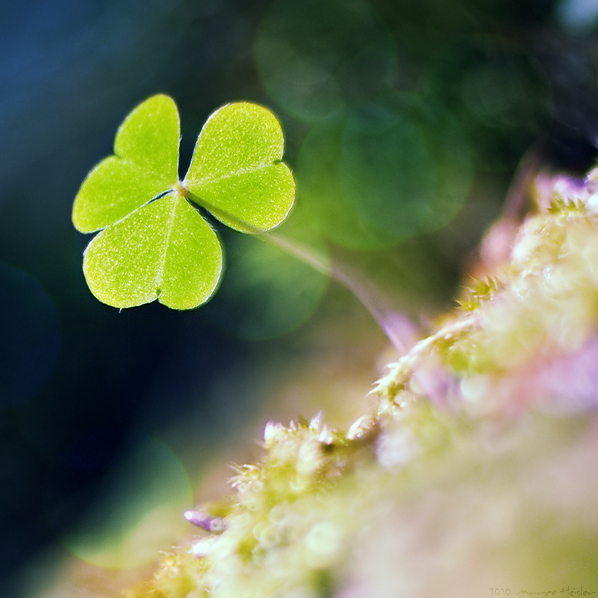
(397, 327)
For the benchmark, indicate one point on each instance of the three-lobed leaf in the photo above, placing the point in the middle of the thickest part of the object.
(154, 244)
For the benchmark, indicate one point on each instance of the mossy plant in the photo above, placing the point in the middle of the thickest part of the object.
(459, 482)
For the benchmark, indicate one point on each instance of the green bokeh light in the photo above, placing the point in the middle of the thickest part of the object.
(386, 168)
(316, 57)
(392, 169)
(497, 91)
(267, 291)
(137, 510)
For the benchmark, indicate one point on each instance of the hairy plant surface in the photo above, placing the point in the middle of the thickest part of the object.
(474, 476)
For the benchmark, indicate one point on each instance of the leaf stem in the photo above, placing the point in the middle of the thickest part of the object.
(396, 325)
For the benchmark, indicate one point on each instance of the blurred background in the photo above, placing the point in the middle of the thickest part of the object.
(405, 121)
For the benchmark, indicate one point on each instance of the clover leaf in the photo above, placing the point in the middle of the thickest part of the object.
(154, 243)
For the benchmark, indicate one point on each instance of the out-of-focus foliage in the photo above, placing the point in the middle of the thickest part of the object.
(518, 334)
(406, 106)
(496, 91)
(318, 57)
(392, 169)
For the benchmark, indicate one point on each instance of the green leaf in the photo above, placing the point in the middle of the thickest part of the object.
(145, 164)
(163, 251)
(155, 243)
(236, 172)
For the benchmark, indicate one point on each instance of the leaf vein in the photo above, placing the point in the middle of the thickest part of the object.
(160, 272)
(237, 173)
